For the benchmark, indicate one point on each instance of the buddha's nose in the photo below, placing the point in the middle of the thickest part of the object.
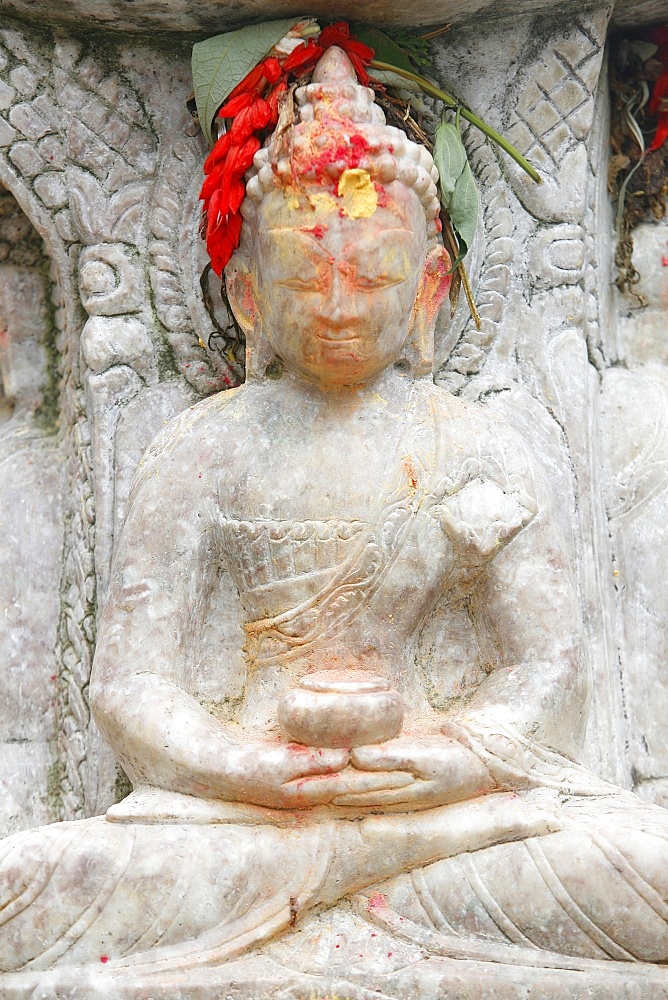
(342, 306)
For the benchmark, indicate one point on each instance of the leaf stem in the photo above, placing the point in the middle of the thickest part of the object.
(450, 102)
(451, 240)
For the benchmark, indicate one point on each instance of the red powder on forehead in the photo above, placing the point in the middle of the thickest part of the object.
(348, 149)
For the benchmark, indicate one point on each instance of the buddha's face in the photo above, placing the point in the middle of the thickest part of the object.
(336, 293)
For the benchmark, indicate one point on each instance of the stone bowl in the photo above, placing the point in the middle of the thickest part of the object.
(328, 709)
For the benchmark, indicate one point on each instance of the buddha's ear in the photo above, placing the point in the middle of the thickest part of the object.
(432, 291)
(241, 294)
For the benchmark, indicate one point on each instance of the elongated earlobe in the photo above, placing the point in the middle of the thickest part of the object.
(241, 296)
(418, 351)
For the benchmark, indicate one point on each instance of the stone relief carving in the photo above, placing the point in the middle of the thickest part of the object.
(31, 528)
(117, 210)
(241, 858)
(555, 287)
(461, 350)
(634, 401)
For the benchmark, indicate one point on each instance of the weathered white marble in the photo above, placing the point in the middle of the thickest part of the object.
(204, 17)
(354, 505)
(31, 541)
(101, 156)
(635, 411)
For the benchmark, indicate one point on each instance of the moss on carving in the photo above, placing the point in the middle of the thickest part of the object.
(54, 790)
(48, 413)
(122, 786)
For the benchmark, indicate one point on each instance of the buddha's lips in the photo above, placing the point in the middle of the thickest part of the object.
(332, 331)
(328, 339)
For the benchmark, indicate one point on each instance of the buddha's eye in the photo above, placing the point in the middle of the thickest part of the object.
(369, 282)
(311, 283)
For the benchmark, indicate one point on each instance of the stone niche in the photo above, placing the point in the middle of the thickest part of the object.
(31, 527)
(108, 331)
(99, 151)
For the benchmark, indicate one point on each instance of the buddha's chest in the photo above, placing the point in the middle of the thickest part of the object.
(298, 474)
(336, 537)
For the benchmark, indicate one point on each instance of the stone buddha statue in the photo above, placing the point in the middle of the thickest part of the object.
(365, 794)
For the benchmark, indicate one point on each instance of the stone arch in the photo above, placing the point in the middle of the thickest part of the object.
(32, 494)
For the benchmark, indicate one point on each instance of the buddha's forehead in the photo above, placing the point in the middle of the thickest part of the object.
(361, 211)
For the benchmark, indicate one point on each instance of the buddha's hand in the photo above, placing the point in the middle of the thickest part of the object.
(440, 769)
(293, 776)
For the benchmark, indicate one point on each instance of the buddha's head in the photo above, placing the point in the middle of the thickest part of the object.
(339, 272)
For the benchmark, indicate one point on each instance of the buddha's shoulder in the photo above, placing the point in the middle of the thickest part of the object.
(474, 434)
(190, 438)
(466, 417)
(199, 423)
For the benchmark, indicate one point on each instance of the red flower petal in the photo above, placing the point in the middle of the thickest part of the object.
(212, 181)
(218, 153)
(260, 115)
(213, 210)
(222, 244)
(273, 99)
(303, 56)
(236, 104)
(658, 93)
(334, 34)
(241, 158)
(250, 120)
(249, 82)
(362, 74)
(237, 195)
(272, 69)
(362, 51)
(661, 133)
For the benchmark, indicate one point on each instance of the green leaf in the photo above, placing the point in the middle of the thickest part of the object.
(449, 157)
(386, 50)
(457, 188)
(221, 62)
(399, 83)
(463, 210)
(384, 47)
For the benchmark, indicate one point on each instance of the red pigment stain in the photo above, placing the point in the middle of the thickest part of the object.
(104, 958)
(317, 231)
(411, 473)
(664, 261)
(376, 902)
(383, 199)
(349, 150)
(53, 677)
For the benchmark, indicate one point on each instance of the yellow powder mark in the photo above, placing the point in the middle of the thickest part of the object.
(360, 199)
(324, 201)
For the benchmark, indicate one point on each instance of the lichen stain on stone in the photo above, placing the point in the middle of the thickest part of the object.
(359, 196)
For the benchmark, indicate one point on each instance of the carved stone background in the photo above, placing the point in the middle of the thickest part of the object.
(205, 17)
(98, 152)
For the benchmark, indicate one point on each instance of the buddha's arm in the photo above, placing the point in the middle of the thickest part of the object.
(525, 602)
(164, 572)
(537, 686)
